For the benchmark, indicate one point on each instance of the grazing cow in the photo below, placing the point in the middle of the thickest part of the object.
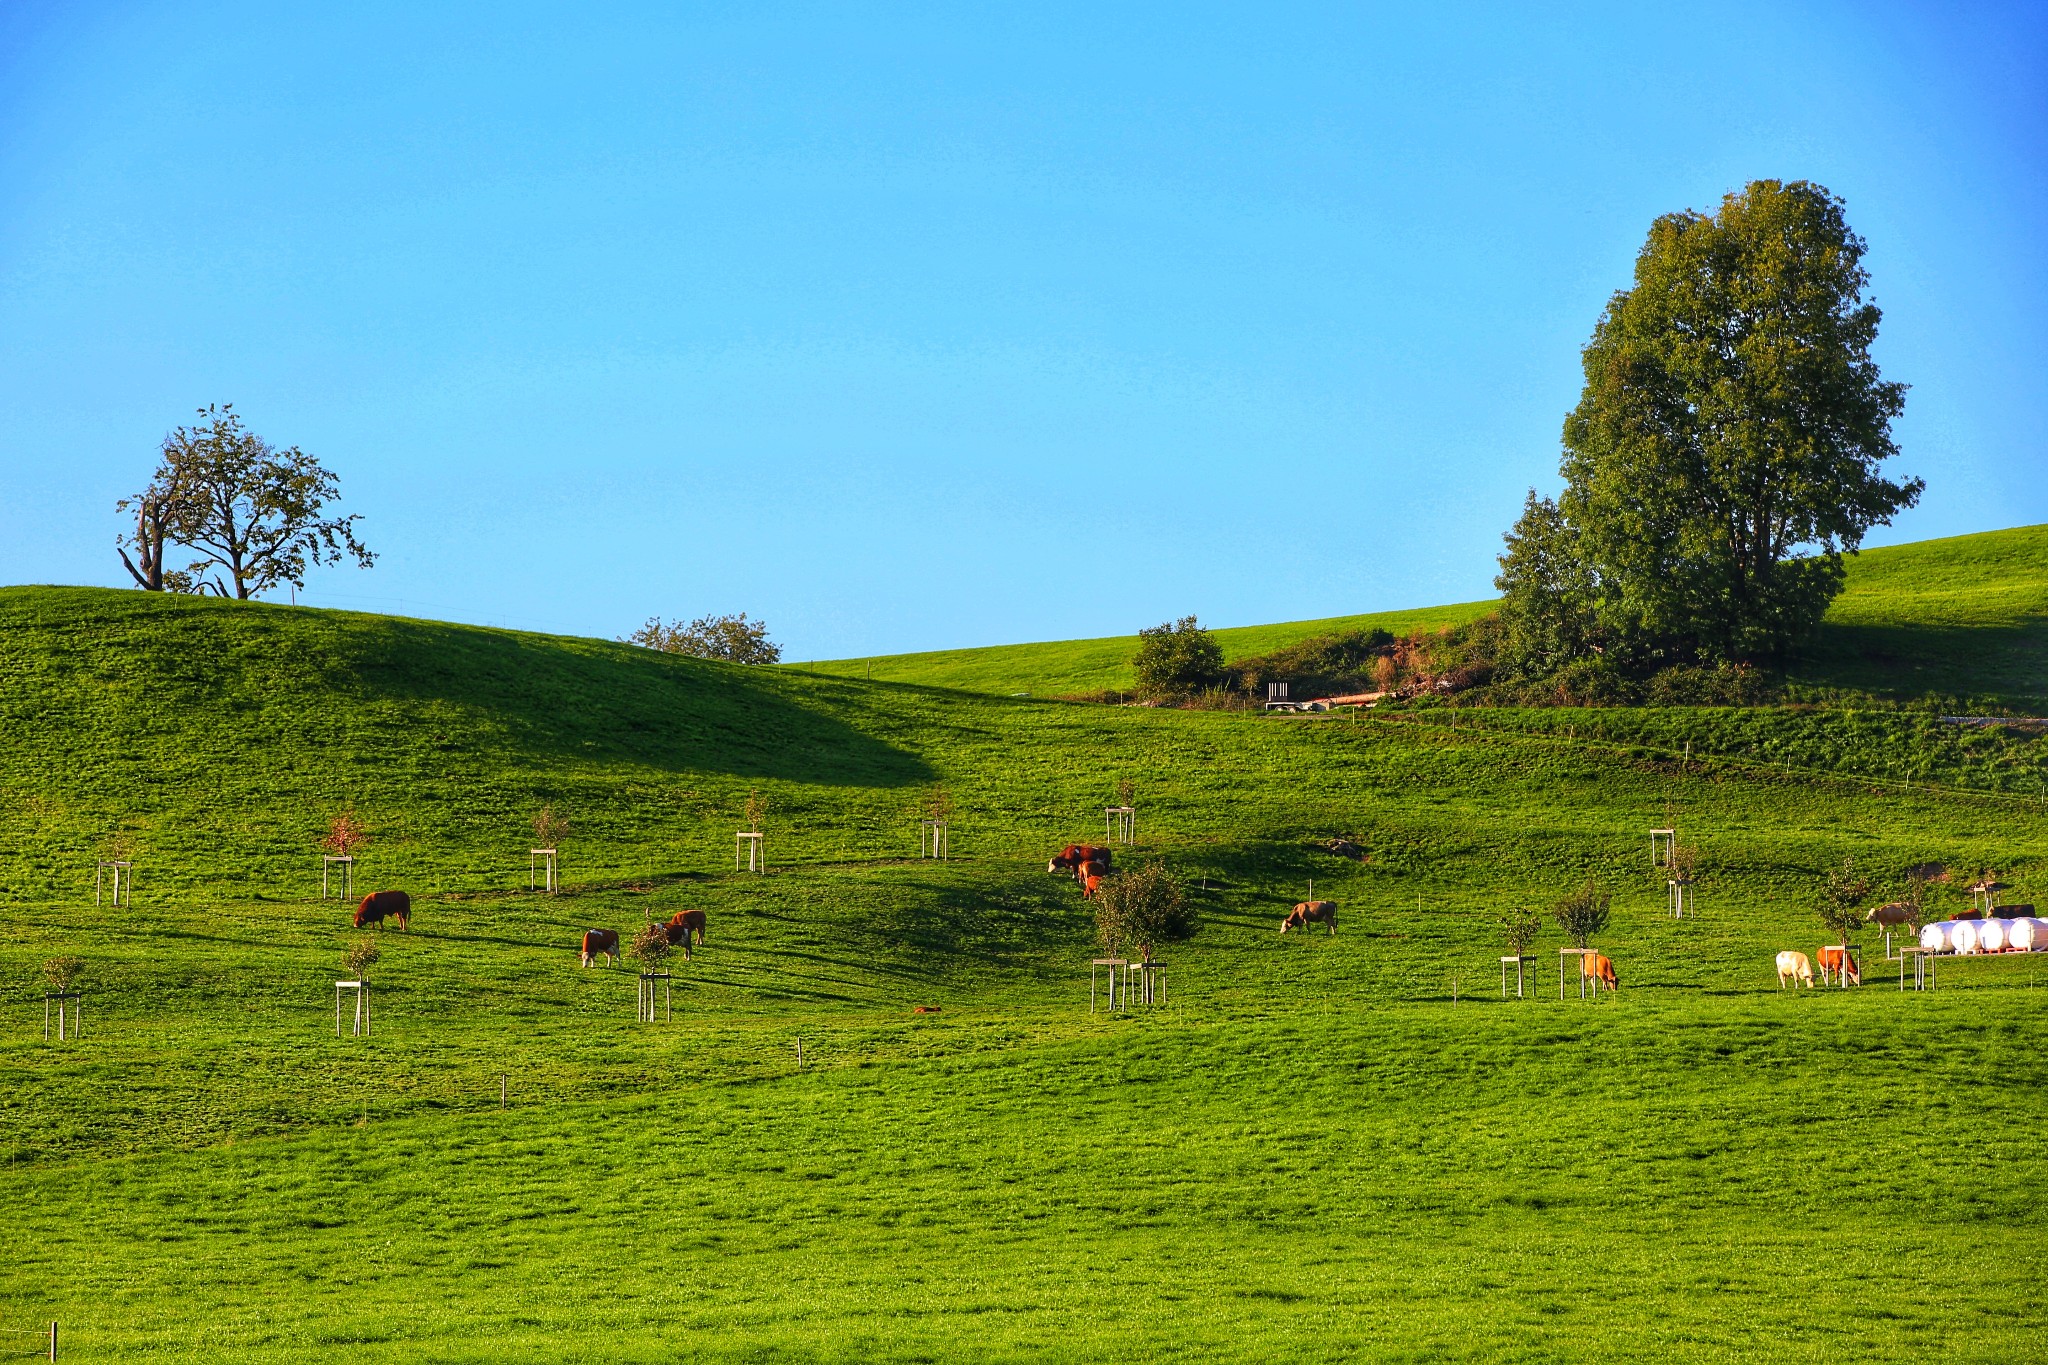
(1090, 883)
(1074, 855)
(600, 943)
(1891, 916)
(926, 1009)
(684, 925)
(1091, 871)
(379, 906)
(1311, 912)
(1835, 961)
(1794, 967)
(1604, 974)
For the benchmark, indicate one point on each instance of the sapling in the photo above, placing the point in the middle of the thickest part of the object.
(550, 827)
(1842, 893)
(1582, 914)
(360, 955)
(1518, 929)
(61, 972)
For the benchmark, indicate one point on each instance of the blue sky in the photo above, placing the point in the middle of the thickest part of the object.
(913, 328)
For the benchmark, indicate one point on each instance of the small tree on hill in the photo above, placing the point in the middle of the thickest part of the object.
(61, 972)
(1177, 658)
(734, 639)
(1842, 894)
(651, 947)
(360, 955)
(1126, 792)
(756, 812)
(346, 835)
(1582, 914)
(1518, 929)
(1142, 907)
(550, 827)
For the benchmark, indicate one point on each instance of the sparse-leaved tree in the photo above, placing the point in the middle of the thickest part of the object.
(550, 828)
(62, 972)
(1518, 929)
(251, 511)
(734, 639)
(1842, 893)
(1582, 914)
(651, 947)
(360, 955)
(346, 835)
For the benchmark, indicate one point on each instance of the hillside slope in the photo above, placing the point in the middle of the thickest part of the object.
(1964, 615)
(1304, 1152)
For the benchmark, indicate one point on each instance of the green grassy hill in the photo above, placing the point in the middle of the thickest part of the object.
(1343, 1147)
(1966, 615)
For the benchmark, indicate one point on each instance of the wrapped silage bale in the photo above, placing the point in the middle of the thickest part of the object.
(2027, 935)
(1991, 936)
(1962, 936)
(1935, 937)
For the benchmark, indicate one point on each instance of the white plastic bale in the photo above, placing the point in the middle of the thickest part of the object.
(1934, 937)
(2027, 935)
(1991, 935)
(1962, 936)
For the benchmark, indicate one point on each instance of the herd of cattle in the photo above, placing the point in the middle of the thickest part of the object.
(2007, 929)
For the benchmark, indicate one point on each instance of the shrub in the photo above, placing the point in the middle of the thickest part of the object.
(734, 639)
(60, 972)
(1142, 907)
(360, 955)
(1582, 914)
(1177, 658)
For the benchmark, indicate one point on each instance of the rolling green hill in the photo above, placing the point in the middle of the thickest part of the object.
(1321, 1148)
(1966, 615)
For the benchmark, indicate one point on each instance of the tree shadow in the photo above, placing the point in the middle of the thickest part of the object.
(1905, 661)
(555, 698)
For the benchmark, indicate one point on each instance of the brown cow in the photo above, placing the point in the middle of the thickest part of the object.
(600, 943)
(1073, 856)
(1604, 974)
(1090, 884)
(684, 927)
(1091, 871)
(1311, 912)
(1891, 915)
(379, 906)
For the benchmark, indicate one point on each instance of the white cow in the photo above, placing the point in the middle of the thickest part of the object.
(1794, 967)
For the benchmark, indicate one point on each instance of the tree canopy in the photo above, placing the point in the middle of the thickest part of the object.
(1177, 657)
(249, 511)
(734, 639)
(1724, 452)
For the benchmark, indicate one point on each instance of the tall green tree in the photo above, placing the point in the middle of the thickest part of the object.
(1725, 450)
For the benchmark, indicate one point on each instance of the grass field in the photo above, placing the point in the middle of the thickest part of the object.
(1966, 616)
(1323, 1149)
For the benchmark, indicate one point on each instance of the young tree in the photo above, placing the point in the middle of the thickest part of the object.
(1842, 893)
(550, 827)
(251, 511)
(1582, 914)
(360, 955)
(62, 972)
(1725, 451)
(651, 947)
(1518, 929)
(735, 639)
(1176, 658)
(1142, 907)
(346, 835)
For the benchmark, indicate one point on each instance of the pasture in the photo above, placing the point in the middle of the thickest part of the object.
(1323, 1149)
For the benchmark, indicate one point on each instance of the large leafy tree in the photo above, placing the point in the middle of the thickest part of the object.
(1177, 657)
(1726, 450)
(249, 511)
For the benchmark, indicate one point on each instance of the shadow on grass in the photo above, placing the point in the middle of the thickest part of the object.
(2008, 662)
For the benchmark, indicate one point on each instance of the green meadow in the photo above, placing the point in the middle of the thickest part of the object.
(1347, 1147)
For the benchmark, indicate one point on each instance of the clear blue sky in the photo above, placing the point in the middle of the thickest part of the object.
(920, 328)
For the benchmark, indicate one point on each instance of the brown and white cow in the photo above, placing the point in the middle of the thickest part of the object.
(1834, 961)
(1794, 968)
(600, 943)
(685, 927)
(1311, 912)
(379, 906)
(1074, 856)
